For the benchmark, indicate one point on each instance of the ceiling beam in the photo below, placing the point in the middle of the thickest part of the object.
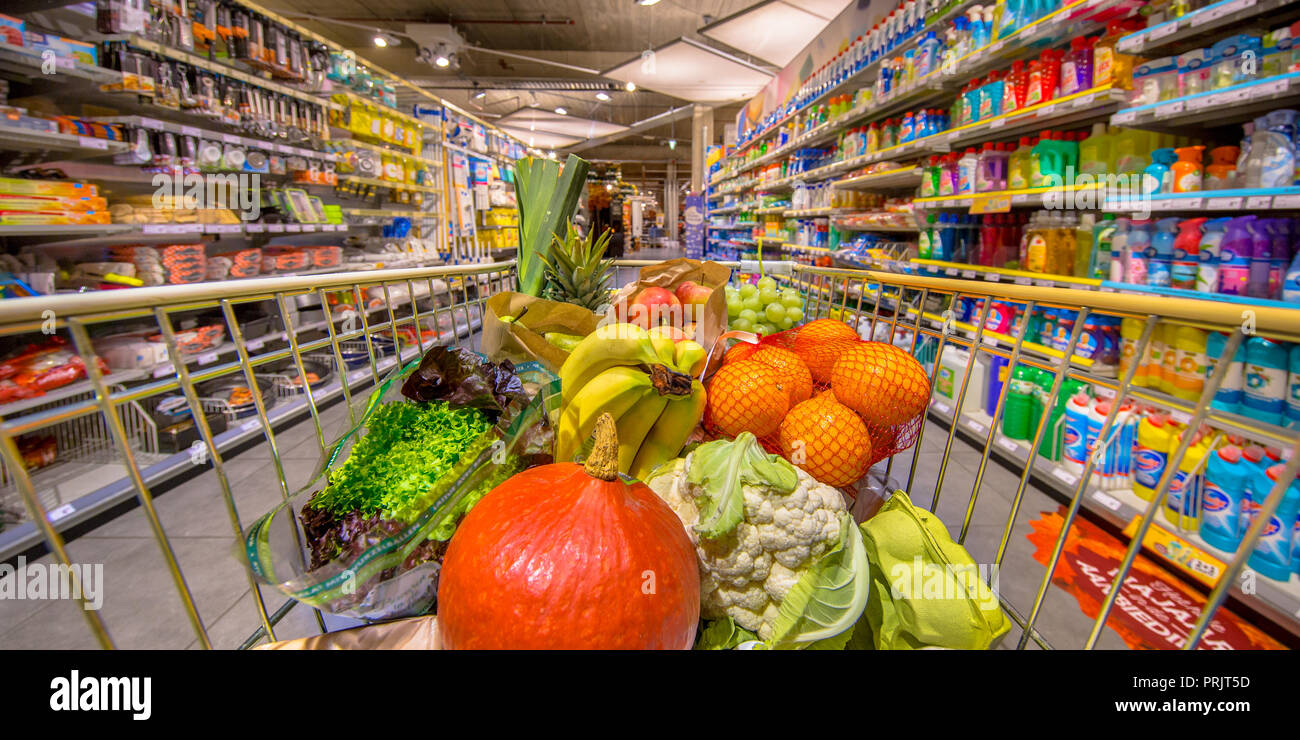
(647, 124)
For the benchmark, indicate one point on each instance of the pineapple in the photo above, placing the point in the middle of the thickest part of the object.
(576, 271)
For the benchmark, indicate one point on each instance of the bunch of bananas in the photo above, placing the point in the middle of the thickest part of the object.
(642, 378)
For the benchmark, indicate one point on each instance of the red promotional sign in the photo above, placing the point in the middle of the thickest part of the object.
(1155, 610)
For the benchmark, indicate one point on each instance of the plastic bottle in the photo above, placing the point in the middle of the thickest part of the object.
(1076, 66)
(1280, 231)
(1139, 238)
(1207, 270)
(1020, 165)
(1074, 453)
(966, 172)
(1183, 502)
(1109, 66)
(1293, 388)
(1190, 361)
(1222, 170)
(1222, 493)
(1130, 333)
(1119, 253)
(1234, 256)
(1265, 381)
(1158, 176)
(1187, 170)
(1271, 161)
(924, 239)
(991, 96)
(1272, 555)
(1261, 259)
(927, 59)
(1186, 259)
(1291, 284)
(1231, 390)
(1099, 255)
(1132, 149)
(1094, 151)
(1015, 87)
(1155, 357)
(1016, 413)
(1155, 436)
(1160, 254)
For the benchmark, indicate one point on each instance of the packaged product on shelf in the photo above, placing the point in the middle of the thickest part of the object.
(40, 367)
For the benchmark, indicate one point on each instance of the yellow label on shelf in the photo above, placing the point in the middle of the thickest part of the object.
(1180, 553)
(991, 204)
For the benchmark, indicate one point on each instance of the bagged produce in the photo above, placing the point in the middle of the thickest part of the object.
(517, 326)
(365, 537)
(926, 590)
(661, 295)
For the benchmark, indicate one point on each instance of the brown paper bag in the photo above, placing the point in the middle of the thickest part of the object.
(712, 322)
(416, 633)
(524, 338)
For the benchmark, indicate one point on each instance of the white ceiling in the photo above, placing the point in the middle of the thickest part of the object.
(777, 30)
(694, 72)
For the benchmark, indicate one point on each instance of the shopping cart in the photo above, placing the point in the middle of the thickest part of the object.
(915, 310)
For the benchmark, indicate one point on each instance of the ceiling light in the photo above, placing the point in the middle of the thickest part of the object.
(480, 94)
(561, 111)
(381, 41)
(602, 96)
(646, 3)
(672, 143)
(442, 61)
(631, 86)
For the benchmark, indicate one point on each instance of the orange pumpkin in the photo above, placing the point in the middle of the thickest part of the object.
(570, 557)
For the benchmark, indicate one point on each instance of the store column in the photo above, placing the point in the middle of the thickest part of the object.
(701, 138)
(671, 200)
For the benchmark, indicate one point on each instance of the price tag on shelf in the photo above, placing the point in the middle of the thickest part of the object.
(1286, 201)
(1008, 444)
(254, 228)
(1270, 88)
(1223, 204)
(950, 271)
(1043, 283)
(1107, 500)
(996, 46)
(151, 123)
(164, 370)
(1122, 117)
(968, 275)
(224, 228)
(207, 358)
(62, 512)
(1186, 204)
(275, 228)
(1161, 31)
(992, 277)
(250, 425)
(1022, 280)
(309, 227)
(949, 203)
(1182, 417)
(998, 122)
(1082, 101)
(90, 142)
(1168, 110)
(231, 138)
(1259, 202)
(1065, 476)
(977, 427)
(941, 407)
(1020, 198)
(1103, 392)
(1199, 103)
(254, 345)
(991, 204)
(190, 131)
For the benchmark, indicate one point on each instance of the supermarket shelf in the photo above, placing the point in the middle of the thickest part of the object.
(1179, 33)
(94, 230)
(1002, 200)
(381, 213)
(1216, 107)
(29, 61)
(387, 109)
(815, 212)
(732, 209)
(194, 60)
(1114, 287)
(69, 230)
(388, 184)
(771, 211)
(903, 177)
(1119, 507)
(16, 139)
(1250, 199)
(847, 222)
(481, 155)
(1085, 106)
(999, 274)
(154, 124)
(21, 537)
(391, 150)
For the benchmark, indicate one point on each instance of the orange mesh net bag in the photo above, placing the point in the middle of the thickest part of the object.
(822, 398)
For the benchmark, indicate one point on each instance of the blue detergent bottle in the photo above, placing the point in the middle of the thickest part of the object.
(1272, 555)
(1230, 392)
(1224, 490)
(1265, 381)
(1293, 389)
(1160, 254)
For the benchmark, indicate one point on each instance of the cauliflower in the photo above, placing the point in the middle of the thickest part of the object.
(757, 522)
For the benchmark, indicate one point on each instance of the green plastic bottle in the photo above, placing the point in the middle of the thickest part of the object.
(1016, 414)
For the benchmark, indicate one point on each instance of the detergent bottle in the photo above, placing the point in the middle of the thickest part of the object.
(1015, 87)
(1160, 253)
(1155, 357)
(1272, 555)
(1187, 256)
(1020, 167)
(1083, 249)
(1139, 239)
(1155, 436)
(1207, 269)
(1076, 66)
(1231, 390)
(1103, 235)
(1190, 361)
(1280, 230)
(1234, 256)
(1223, 489)
(1074, 447)
(1132, 149)
(1265, 381)
(1291, 284)
(1094, 151)
(1158, 175)
(1271, 160)
(1222, 170)
(1109, 66)
(1261, 259)
(1187, 170)
(1119, 252)
(966, 167)
(1130, 332)
(1293, 389)
(1183, 503)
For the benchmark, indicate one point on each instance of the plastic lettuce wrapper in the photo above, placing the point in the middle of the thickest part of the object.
(926, 589)
(365, 537)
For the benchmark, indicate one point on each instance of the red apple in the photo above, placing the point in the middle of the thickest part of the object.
(692, 293)
(670, 332)
(655, 306)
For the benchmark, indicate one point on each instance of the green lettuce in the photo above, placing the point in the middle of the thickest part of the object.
(723, 634)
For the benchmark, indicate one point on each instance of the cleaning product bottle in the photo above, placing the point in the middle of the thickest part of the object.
(1130, 333)
(1207, 270)
(1103, 232)
(1291, 285)
(1187, 170)
(1119, 252)
(923, 242)
(1222, 170)
(1020, 166)
(1222, 492)
(1155, 436)
(1265, 381)
(1109, 66)
(1280, 230)
(1094, 151)
(1271, 161)
(1016, 412)
(1190, 361)
(966, 167)
(1160, 253)
(1015, 87)
(1272, 555)
(1261, 259)
(1183, 503)
(991, 96)
(1158, 175)
(1293, 389)
(1074, 453)
(1187, 257)
(1132, 150)
(1234, 256)
(1155, 357)
(1083, 249)
(1096, 417)
(927, 59)
(1139, 239)
(1076, 66)
(1231, 390)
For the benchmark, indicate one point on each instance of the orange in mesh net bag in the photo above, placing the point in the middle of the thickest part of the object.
(820, 357)
(828, 440)
(742, 351)
(794, 374)
(884, 384)
(746, 396)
